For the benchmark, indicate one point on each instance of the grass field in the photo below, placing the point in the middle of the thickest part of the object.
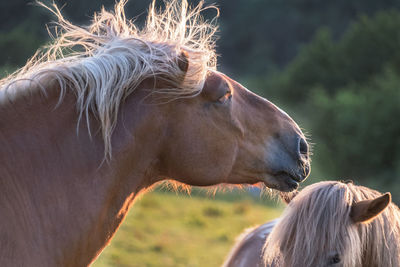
(168, 229)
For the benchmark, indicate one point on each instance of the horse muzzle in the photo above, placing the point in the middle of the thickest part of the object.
(289, 181)
(288, 165)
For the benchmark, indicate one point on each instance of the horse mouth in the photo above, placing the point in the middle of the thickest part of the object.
(291, 181)
(283, 181)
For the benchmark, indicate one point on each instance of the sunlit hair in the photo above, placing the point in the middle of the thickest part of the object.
(107, 60)
(317, 225)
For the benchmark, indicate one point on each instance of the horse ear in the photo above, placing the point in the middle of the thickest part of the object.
(287, 197)
(366, 210)
(183, 61)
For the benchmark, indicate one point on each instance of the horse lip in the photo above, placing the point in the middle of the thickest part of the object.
(291, 182)
(284, 181)
(289, 175)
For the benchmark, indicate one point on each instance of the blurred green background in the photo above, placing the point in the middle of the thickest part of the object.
(334, 66)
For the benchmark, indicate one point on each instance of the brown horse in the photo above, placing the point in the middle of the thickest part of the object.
(109, 110)
(326, 224)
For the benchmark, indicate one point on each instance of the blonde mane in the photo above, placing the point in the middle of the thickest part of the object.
(316, 225)
(107, 60)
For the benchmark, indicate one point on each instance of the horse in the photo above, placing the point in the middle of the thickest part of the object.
(107, 111)
(326, 224)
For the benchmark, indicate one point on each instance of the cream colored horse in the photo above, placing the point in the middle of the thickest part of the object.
(326, 224)
(109, 110)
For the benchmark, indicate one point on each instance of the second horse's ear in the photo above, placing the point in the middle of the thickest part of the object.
(367, 210)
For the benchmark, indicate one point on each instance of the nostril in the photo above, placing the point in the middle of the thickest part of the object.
(303, 147)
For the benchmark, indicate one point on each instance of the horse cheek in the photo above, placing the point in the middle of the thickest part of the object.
(199, 156)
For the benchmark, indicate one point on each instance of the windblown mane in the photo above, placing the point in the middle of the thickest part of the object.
(106, 61)
(317, 223)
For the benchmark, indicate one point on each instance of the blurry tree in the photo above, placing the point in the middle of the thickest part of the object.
(363, 51)
(260, 35)
(357, 130)
(349, 92)
(256, 35)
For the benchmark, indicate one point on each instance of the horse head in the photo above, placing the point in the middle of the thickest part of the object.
(335, 224)
(227, 134)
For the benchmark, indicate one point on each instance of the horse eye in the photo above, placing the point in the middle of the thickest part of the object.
(225, 98)
(335, 259)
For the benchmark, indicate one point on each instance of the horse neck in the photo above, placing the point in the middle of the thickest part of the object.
(62, 201)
